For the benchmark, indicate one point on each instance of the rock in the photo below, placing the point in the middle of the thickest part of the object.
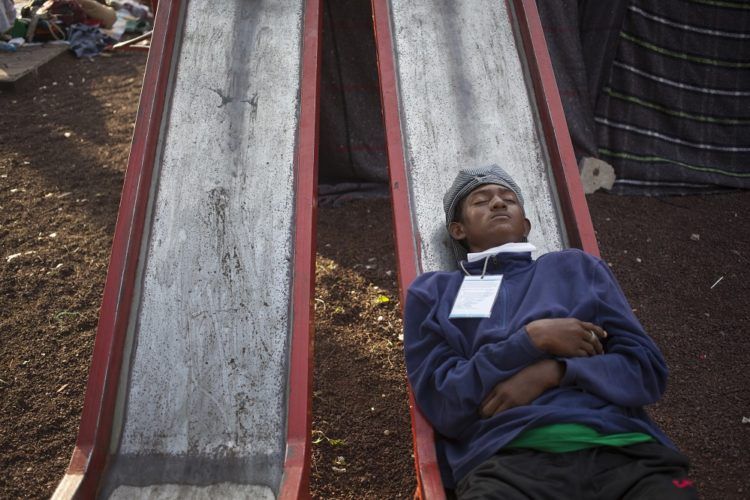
(596, 174)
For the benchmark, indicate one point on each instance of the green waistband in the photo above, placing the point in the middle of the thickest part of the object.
(562, 438)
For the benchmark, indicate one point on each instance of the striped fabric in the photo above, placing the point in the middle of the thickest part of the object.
(674, 117)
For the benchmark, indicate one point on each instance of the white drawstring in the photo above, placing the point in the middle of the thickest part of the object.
(484, 269)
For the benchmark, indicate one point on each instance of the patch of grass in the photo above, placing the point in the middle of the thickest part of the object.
(319, 437)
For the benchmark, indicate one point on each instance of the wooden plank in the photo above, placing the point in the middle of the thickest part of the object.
(15, 65)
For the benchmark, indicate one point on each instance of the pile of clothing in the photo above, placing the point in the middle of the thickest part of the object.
(88, 26)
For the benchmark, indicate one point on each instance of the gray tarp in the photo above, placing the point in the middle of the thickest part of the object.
(669, 93)
(352, 140)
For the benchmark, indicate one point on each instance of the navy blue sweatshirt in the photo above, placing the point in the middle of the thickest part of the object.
(453, 364)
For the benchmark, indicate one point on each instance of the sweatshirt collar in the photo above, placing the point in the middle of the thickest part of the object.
(506, 248)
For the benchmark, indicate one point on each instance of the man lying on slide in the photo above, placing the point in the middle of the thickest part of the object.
(534, 373)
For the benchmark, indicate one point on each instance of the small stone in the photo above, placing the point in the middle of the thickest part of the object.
(596, 174)
(16, 255)
(67, 134)
(695, 237)
(386, 432)
(638, 259)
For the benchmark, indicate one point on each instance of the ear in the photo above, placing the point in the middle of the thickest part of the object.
(527, 227)
(456, 230)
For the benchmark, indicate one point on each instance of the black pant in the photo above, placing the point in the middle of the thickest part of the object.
(639, 471)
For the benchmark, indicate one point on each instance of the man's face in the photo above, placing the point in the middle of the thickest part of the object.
(490, 216)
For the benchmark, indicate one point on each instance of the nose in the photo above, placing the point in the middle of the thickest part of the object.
(497, 202)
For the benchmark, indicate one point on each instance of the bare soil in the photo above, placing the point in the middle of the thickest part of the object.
(64, 140)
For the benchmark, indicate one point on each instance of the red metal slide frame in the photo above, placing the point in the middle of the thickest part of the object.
(295, 482)
(90, 454)
(573, 206)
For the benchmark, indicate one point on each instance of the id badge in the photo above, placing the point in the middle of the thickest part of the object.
(476, 296)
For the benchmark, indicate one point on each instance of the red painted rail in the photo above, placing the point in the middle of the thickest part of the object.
(574, 209)
(295, 482)
(90, 454)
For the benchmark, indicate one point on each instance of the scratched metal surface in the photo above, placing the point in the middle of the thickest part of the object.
(206, 382)
(464, 102)
(220, 491)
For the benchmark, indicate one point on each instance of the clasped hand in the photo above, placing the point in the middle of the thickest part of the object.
(563, 337)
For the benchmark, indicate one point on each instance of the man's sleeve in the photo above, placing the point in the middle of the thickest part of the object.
(448, 385)
(632, 372)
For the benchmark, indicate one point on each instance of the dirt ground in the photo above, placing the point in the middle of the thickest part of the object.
(64, 139)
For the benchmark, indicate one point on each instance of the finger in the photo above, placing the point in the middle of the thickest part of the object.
(598, 330)
(487, 398)
(591, 339)
(588, 347)
(581, 353)
(490, 405)
(598, 346)
(505, 405)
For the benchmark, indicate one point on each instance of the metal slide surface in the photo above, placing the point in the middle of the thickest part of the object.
(466, 84)
(191, 398)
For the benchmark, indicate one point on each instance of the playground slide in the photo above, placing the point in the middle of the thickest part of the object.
(200, 380)
(465, 84)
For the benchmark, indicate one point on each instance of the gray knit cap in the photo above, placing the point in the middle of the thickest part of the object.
(466, 181)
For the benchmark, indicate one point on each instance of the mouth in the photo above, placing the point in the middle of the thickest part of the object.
(499, 216)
